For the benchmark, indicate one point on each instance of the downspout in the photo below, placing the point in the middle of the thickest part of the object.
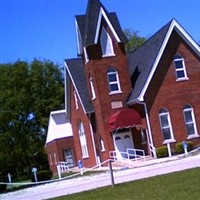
(148, 125)
(93, 143)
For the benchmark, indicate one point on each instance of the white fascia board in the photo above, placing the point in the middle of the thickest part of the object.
(79, 48)
(57, 112)
(102, 13)
(189, 39)
(75, 88)
(58, 131)
(65, 88)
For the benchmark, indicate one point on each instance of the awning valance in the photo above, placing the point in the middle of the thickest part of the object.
(124, 118)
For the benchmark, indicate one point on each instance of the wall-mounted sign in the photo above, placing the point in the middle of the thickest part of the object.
(116, 104)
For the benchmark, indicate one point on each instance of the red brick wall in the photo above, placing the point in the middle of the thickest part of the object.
(97, 68)
(165, 92)
(78, 115)
(57, 147)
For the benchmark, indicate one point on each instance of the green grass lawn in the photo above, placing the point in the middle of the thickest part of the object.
(184, 185)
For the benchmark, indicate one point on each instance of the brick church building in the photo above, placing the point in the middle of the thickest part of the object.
(116, 101)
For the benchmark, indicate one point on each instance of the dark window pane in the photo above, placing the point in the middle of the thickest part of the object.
(114, 87)
(180, 74)
(112, 77)
(188, 116)
(190, 129)
(164, 120)
(166, 134)
(179, 64)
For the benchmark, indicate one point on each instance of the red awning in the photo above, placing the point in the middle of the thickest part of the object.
(123, 119)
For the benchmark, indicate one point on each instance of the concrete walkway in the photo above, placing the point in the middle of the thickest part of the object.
(60, 188)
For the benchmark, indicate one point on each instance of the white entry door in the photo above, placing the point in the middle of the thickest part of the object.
(123, 141)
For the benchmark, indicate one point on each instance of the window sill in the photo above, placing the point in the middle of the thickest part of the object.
(108, 55)
(115, 92)
(193, 136)
(169, 141)
(85, 157)
(182, 79)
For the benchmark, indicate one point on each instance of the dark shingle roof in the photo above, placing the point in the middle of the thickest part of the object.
(76, 70)
(88, 23)
(142, 60)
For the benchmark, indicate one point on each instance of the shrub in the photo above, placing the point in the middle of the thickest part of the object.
(162, 152)
(43, 175)
(179, 147)
(2, 186)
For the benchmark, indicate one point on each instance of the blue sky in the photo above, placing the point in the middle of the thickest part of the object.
(44, 29)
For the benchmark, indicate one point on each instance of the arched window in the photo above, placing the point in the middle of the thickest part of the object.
(102, 145)
(92, 88)
(165, 124)
(83, 141)
(106, 43)
(189, 120)
(180, 67)
(113, 80)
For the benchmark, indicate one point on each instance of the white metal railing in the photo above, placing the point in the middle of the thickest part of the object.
(131, 154)
(62, 167)
(135, 154)
(153, 150)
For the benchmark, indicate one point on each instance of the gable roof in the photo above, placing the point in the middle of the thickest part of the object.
(153, 50)
(76, 73)
(89, 24)
(59, 126)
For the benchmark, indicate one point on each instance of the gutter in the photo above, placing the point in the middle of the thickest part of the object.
(148, 123)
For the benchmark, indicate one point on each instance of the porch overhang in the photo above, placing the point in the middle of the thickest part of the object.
(124, 118)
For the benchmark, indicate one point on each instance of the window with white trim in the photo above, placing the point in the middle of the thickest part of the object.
(92, 88)
(102, 145)
(113, 81)
(165, 124)
(83, 141)
(106, 43)
(76, 100)
(180, 68)
(190, 122)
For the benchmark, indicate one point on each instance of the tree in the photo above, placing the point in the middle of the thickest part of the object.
(28, 93)
(134, 40)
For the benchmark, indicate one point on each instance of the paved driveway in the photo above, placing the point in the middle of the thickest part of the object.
(75, 185)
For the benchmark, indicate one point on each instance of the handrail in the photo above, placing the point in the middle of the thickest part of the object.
(131, 154)
(63, 167)
(57, 179)
(135, 153)
(153, 150)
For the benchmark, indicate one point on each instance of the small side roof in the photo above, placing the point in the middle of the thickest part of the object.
(75, 70)
(59, 126)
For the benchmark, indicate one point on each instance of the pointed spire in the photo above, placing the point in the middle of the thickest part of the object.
(88, 23)
(92, 14)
